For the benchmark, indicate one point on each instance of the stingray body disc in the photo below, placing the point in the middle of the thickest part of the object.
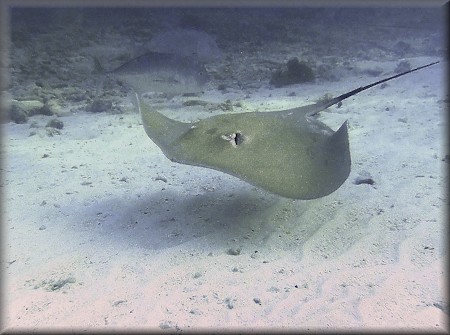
(289, 158)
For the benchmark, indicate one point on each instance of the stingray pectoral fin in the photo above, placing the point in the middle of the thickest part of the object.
(332, 164)
(162, 130)
(319, 172)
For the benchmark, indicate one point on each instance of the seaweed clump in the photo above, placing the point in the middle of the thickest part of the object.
(294, 72)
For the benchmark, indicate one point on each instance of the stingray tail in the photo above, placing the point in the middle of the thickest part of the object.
(325, 104)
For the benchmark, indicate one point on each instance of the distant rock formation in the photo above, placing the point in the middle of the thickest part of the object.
(186, 42)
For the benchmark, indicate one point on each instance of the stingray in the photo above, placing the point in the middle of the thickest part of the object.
(163, 72)
(287, 152)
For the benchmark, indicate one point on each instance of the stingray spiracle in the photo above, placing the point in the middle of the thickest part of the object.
(235, 138)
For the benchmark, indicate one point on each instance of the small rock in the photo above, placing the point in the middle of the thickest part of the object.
(53, 285)
(29, 107)
(17, 115)
(229, 303)
(160, 178)
(99, 106)
(222, 87)
(195, 311)
(359, 181)
(403, 66)
(226, 106)
(294, 72)
(56, 108)
(118, 302)
(234, 252)
(45, 110)
(324, 98)
(55, 123)
(167, 325)
(52, 131)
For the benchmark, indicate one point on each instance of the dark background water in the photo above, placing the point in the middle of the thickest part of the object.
(51, 49)
(231, 23)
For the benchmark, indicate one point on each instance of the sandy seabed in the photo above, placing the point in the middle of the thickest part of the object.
(103, 231)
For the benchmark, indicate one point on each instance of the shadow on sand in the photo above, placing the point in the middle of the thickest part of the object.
(163, 220)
